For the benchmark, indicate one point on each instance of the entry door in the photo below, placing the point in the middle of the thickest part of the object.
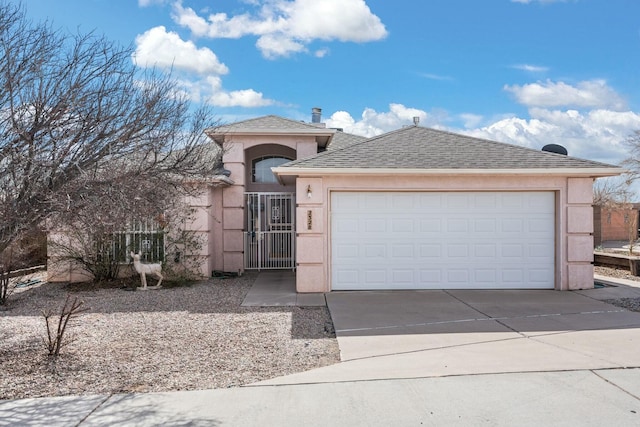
(270, 232)
(442, 240)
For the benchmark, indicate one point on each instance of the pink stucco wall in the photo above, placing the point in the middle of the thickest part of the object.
(240, 150)
(219, 220)
(574, 221)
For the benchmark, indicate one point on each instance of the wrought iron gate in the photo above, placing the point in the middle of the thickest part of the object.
(269, 242)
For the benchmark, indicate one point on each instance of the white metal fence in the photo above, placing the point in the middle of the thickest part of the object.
(144, 237)
(269, 241)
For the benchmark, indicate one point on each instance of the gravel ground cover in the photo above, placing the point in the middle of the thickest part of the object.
(180, 338)
(618, 273)
(632, 304)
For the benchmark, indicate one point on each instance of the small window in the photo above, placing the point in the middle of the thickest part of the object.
(144, 237)
(261, 169)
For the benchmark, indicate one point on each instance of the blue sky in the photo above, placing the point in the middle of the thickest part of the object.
(527, 72)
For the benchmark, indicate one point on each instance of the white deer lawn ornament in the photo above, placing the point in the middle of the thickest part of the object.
(144, 269)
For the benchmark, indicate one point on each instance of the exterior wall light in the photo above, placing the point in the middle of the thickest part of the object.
(309, 191)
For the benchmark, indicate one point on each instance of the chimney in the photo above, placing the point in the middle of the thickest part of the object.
(316, 115)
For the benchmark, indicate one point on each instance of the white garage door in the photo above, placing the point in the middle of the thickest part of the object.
(427, 240)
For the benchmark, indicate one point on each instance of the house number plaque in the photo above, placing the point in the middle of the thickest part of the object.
(309, 220)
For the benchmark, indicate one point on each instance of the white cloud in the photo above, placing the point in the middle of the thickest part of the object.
(211, 91)
(471, 120)
(598, 134)
(374, 123)
(157, 47)
(275, 45)
(586, 94)
(531, 68)
(343, 120)
(285, 27)
(239, 98)
(438, 77)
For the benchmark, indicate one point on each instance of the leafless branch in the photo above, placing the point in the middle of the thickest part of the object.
(69, 311)
(82, 129)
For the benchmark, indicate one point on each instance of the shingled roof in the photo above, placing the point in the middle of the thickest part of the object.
(272, 122)
(341, 140)
(271, 125)
(419, 148)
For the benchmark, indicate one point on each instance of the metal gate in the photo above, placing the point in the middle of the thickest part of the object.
(269, 242)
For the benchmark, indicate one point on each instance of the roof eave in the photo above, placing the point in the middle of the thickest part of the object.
(573, 172)
(323, 135)
(215, 181)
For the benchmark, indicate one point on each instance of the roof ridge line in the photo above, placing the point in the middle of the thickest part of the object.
(337, 150)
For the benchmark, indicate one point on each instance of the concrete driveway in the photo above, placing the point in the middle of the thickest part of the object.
(418, 334)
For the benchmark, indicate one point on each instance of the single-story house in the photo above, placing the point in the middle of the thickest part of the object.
(414, 208)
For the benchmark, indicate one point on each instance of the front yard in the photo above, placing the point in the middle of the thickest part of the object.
(181, 338)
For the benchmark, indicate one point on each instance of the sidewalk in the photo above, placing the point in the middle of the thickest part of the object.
(577, 398)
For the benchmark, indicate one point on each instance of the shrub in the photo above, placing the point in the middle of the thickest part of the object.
(55, 337)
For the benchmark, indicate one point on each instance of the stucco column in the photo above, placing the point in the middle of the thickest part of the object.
(579, 228)
(200, 228)
(310, 236)
(233, 210)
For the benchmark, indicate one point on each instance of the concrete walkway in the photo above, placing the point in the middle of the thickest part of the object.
(459, 358)
(277, 288)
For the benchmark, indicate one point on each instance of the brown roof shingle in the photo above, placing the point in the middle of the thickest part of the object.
(416, 147)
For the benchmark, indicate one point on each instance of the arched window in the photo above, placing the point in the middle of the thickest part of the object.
(261, 168)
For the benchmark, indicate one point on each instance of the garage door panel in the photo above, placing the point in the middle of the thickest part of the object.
(429, 276)
(378, 276)
(346, 224)
(347, 251)
(458, 201)
(485, 276)
(345, 202)
(430, 250)
(458, 251)
(457, 225)
(457, 276)
(347, 275)
(403, 201)
(442, 240)
(404, 225)
(430, 225)
(375, 250)
(539, 225)
(484, 225)
(375, 225)
(485, 250)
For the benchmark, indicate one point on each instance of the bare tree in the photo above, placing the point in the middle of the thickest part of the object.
(83, 132)
(615, 195)
(613, 191)
(632, 163)
(103, 252)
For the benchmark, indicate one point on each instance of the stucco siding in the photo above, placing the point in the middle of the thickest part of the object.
(573, 202)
